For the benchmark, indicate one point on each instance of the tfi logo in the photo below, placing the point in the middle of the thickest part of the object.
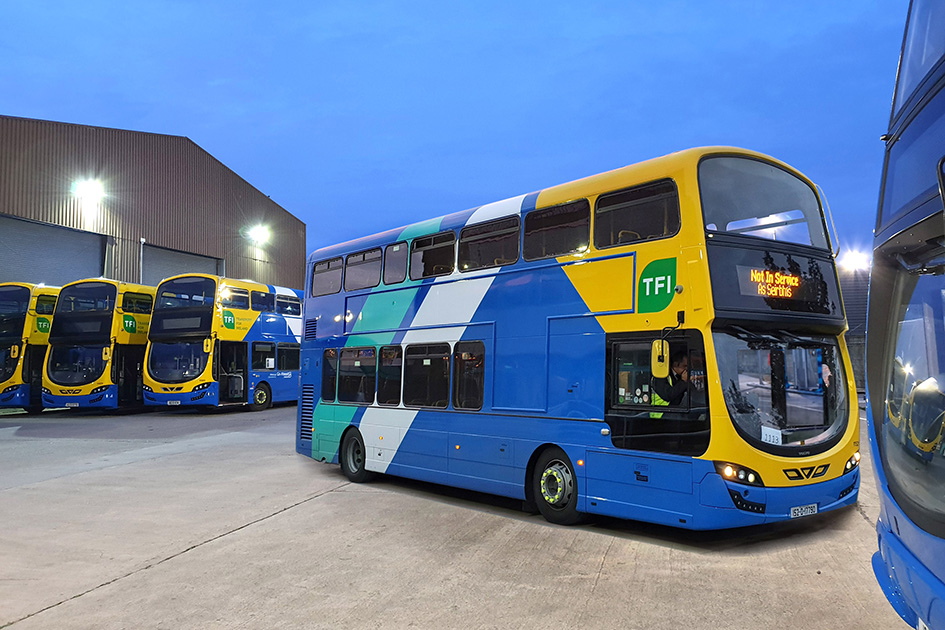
(130, 324)
(229, 321)
(43, 325)
(808, 472)
(657, 285)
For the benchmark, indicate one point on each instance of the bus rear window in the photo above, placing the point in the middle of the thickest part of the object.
(557, 231)
(748, 197)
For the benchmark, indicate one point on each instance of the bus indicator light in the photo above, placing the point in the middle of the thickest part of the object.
(580, 462)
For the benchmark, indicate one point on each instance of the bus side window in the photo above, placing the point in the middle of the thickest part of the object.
(395, 263)
(326, 277)
(389, 375)
(432, 255)
(490, 244)
(287, 356)
(329, 374)
(288, 305)
(357, 375)
(45, 304)
(235, 298)
(638, 214)
(468, 374)
(427, 375)
(263, 301)
(363, 270)
(136, 303)
(557, 231)
(264, 355)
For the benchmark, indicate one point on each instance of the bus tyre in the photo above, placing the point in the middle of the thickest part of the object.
(353, 457)
(32, 411)
(262, 397)
(554, 486)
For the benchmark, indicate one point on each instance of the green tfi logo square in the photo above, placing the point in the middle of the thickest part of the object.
(129, 323)
(657, 285)
(229, 321)
(43, 325)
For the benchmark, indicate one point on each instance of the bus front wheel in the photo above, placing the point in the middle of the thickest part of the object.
(554, 486)
(353, 457)
(262, 397)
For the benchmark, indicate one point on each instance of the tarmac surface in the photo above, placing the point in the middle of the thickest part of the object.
(192, 520)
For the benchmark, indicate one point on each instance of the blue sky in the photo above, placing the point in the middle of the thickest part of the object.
(362, 116)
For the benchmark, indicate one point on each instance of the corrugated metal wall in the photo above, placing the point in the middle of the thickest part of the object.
(164, 189)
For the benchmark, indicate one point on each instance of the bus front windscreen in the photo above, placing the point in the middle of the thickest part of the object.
(785, 393)
(176, 362)
(748, 197)
(84, 313)
(184, 307)
(14, 302)
(76, 365)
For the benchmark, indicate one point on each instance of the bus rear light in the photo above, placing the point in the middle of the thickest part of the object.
(738, 474)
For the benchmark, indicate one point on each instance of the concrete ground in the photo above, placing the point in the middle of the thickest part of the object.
(213, 521)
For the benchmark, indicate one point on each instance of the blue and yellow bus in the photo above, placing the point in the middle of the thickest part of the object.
(26, 312)
(662, 342)
(96, 345)
(906, 330)
(219, 341)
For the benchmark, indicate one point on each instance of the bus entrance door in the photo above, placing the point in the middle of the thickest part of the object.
(33, 374)
(234, 373)
(129, 365)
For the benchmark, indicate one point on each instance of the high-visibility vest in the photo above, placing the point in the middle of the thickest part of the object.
(657, 400)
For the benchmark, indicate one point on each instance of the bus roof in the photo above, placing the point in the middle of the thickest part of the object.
(641, 172)
(239, 283)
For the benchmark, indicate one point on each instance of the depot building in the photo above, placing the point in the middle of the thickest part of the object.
(80, 202)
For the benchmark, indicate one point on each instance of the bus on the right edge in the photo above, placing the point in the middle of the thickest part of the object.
(906, 334)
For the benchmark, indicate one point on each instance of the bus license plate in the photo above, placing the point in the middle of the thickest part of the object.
(803, 510)
(72, 405)
(174, 403)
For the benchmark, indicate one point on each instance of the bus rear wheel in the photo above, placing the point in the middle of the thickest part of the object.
(353, 457)
(262, 397)
(554, 486)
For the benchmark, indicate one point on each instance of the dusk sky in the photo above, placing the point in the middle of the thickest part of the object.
(358, 117)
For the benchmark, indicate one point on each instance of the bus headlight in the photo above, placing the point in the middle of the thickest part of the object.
(99, 390)
(852, 463)
(738, 474)
(11, 388)
(147, 388)
(202, 386)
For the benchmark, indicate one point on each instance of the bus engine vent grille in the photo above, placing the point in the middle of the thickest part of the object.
(307, 411)
(311, 328)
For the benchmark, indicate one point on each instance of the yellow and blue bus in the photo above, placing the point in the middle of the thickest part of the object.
(662, 342)
(96, 345)
(906, 330)
(219, 341)
(26, 312)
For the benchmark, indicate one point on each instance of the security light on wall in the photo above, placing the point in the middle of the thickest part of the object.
(258, 234)
(90, 193)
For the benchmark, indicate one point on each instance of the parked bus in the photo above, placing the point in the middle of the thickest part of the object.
(906, 331)
(218, 341)
(25, 319)
(662, 342)
(96, 345)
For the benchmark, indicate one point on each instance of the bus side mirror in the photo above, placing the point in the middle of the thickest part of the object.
(207, 345)
(941, 179)
(14, 351)
(106, 353)
(659, 359)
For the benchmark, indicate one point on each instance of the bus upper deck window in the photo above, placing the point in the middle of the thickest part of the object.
(263, 301)
(363, 270)
(235, 298)
(326, 277)
(288, 305)
(432, 255)
(490, 244)
(557, 231)
(136, 303)
(395, 263)
(642, 213)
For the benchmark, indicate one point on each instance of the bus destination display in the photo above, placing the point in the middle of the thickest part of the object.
(766, 283)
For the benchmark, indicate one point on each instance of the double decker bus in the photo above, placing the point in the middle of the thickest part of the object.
(25, 319)
(662, 342)
(906, 330)
(219, 341)
(96, 345)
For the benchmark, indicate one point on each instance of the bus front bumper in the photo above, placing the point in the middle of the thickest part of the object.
(15, 396)
(206, 396)
(105, 397)
(727, 504)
